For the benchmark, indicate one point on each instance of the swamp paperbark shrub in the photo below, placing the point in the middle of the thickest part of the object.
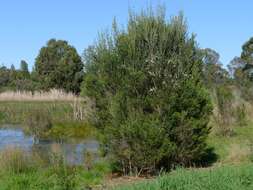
(150, 101)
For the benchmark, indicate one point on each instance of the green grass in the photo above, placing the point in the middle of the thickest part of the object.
(48, 179)
(22, 171)
(237, 148)
(223, 178)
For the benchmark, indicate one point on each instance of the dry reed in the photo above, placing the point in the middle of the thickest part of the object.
(52, 95)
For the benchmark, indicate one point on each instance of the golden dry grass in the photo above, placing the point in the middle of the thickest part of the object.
(52, 95)
(239, 153)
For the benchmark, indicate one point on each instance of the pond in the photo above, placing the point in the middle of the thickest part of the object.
(73, 151)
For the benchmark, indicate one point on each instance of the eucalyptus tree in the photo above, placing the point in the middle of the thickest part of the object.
(213, 72)
(241, 69)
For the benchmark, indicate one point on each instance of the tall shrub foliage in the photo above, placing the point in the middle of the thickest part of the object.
(150, 101)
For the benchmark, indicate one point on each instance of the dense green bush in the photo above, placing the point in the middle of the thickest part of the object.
(139, 144)
(146, 81)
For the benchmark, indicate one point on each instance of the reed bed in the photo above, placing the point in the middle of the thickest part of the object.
(62, 106)
(52, 95)
(59, 111)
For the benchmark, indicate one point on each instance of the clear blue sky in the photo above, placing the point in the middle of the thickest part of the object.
(26, 25)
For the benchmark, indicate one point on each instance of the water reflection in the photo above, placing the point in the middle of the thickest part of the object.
(73, 151)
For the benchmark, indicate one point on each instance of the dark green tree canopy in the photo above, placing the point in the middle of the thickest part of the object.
(58, 65)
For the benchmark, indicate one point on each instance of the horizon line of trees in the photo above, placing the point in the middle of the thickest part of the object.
(59, 66)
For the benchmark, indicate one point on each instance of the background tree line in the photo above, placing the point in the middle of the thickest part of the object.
(58, 65)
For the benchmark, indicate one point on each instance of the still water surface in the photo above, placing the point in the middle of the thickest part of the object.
(73, 151)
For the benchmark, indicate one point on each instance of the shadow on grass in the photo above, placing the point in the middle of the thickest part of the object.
(208, 159)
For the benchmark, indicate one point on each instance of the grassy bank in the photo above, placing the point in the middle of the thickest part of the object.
(51, 179)
(22, 171)
(222, 178)
(234, 149)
